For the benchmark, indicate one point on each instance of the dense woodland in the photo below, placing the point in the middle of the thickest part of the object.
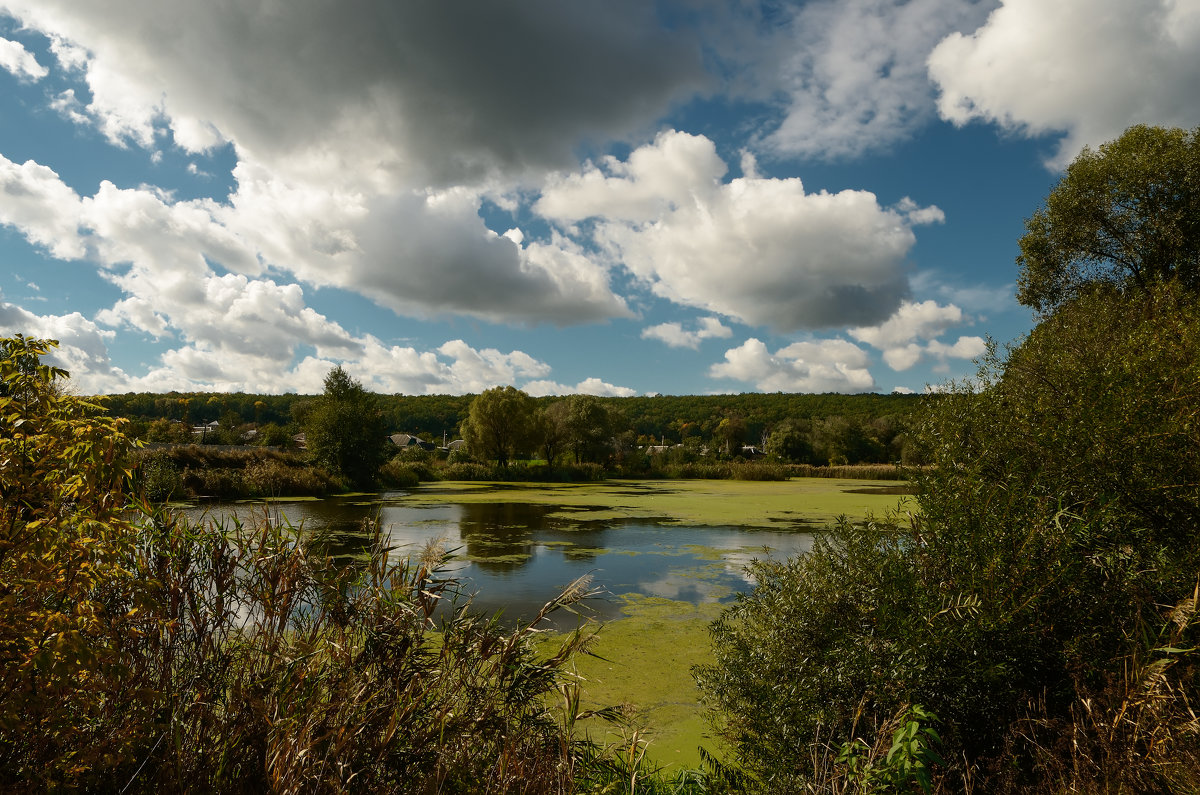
(659, 419)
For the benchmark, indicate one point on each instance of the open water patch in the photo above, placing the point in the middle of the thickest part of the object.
(514, 557)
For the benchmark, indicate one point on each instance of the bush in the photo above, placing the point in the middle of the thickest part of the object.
(1042, 604)
(467, 471)
(209, 471)
(159, 478)
(757, 470)
(400, 474)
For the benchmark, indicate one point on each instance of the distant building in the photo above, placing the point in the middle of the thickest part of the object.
(407, 441)
(205, 429)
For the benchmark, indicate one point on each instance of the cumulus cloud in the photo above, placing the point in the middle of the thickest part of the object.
(816, 366)
(45, 210)
(232, 360)
(761, 250)
(361, 166)
(674, 335)
(422, 254)
(588, 386)
(900, 336)
(1088, 68)
(971, 297)
(236, 330)
(853, 72)
(83, 346)
(19, 62)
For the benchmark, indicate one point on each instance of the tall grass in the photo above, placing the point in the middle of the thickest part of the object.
(251, 663)
(849, 471)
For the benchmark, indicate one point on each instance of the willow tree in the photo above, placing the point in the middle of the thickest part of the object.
(1125, 214)
(500, 424)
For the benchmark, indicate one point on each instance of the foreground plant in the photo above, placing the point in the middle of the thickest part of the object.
(141, 653)
(1042, 603)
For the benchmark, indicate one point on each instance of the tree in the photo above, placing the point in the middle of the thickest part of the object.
(590, 427)
(730, 433)
(344, 430)
(500, 424)
(552, 428)
(1127, 213)
(1042, 601)
(789, 442)
(65, 538)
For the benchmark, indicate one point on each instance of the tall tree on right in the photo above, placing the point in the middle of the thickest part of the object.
(1126, 214)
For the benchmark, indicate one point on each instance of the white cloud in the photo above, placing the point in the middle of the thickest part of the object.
(21, 63)
(1089, 68)
(973, 298)
(233, 358)
(897, 337)
(337, 150)
(674, 335)
(817, 366)
(45, 210)
(760, 250)
(588, 386)
(854, 72)
(82, 344)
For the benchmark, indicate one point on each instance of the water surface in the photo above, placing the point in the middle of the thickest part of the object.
(517, 556)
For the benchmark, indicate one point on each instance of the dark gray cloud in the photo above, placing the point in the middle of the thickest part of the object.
(440, 92)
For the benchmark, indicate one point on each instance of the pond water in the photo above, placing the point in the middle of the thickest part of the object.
(515, 557)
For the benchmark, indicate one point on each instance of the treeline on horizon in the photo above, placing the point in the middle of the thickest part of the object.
(658, 419)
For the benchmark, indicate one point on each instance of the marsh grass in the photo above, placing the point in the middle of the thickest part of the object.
(849, 471)
(251, 664)
(189, 471)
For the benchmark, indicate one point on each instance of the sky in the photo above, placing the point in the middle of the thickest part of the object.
(614, 197)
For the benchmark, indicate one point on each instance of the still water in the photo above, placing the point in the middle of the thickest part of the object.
(515, 557)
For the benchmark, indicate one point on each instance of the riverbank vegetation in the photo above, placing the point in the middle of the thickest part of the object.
(140, 653)
(1033, 626)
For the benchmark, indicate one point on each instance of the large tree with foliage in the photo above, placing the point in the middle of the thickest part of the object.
(591, 424)
(344, 430)
(500, 424)
(1127, 213)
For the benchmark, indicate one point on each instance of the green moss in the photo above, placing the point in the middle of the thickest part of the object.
(643, 661)
(802, 502)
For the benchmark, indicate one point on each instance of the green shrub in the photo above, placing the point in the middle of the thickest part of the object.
(467, 471)
(1041, 603)
(400, 474)
(757, 470)
(158, 477)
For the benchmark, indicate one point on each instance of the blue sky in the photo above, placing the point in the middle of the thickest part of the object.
(618, 197)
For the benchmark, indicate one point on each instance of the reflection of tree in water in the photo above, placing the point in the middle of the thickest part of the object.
(501, 536)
